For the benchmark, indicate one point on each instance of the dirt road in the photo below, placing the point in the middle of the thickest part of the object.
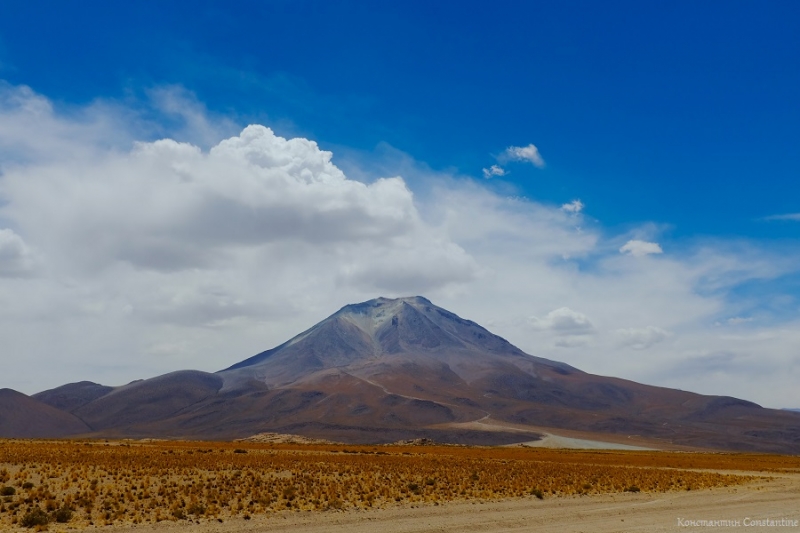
(777, 499)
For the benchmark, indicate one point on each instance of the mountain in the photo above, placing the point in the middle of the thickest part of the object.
(391, 369)
(73, 395)
(24, 417)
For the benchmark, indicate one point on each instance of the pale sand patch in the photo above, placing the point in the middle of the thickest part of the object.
(657, 513)
(553, 440)
(557, 441)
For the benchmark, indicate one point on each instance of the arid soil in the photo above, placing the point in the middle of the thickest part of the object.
(273, 486)
(775, 500)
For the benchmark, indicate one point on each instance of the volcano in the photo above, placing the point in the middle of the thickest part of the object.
(392, 369)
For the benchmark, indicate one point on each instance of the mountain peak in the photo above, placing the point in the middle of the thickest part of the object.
(382, 305)
(386, 332)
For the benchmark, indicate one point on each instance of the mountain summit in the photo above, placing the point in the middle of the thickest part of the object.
(391, 369)
(373, 336)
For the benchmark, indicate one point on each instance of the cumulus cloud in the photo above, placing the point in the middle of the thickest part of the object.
(494, 170)
(16, 259)
(170, 206)
(736, 320)
(564, 321)
(575, 206)
(181, 231)
(641, 338)
(31, 131)
(639, 248)
(529, 154)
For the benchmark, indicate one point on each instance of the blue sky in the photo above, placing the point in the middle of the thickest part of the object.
(683, 113)
(674, 124)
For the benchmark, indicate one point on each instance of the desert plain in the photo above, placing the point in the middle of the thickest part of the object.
(128, 485)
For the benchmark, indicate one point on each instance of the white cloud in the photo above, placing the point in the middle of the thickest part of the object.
(794, 217)
(170, 206)
(528, 154)
(31, 131)
(192, 121)
(641, 338)
(494, 170)
(16, 259)
(735, 321)
(564, 321)
(639, 248)
(575, 206)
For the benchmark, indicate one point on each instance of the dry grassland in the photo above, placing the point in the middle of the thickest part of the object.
(102, 483)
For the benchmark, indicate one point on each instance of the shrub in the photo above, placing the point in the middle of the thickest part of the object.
(196, 509)
(538, 493)
(35, 517)
(239, 450)
(63, 515)
(8, 491)
(27, 485)
(633, 488)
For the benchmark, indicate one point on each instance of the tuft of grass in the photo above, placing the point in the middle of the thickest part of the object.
(538, 493)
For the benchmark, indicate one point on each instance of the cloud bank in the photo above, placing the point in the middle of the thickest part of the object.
(139, 244)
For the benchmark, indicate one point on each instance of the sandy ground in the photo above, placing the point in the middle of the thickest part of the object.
(550, 440)
(776, 499)
(570, 439)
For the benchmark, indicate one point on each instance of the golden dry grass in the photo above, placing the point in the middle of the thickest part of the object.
(135, 482)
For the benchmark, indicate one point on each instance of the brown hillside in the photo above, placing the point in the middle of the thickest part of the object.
(24, 417)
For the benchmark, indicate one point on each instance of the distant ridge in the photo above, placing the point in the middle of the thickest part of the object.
(72, 395)
(387, 370)
(24, 417)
